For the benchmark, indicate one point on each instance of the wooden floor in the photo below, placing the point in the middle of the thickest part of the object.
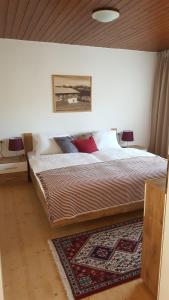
(28, 270)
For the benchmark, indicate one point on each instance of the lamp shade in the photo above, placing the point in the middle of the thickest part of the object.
(127, 136)
(105, 15)
(15, 144)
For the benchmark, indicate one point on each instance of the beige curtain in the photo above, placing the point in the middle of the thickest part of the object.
(160, 107)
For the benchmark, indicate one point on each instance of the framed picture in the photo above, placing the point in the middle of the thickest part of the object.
(72, 93)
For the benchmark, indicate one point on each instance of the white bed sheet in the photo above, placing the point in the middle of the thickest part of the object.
(47, 162)
(53, 161)
(121, 153)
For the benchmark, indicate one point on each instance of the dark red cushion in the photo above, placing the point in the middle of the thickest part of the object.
(86, 145)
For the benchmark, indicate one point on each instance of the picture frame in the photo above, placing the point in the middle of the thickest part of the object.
(72, 93)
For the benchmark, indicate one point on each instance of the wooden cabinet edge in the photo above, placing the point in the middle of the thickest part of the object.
(151, 263)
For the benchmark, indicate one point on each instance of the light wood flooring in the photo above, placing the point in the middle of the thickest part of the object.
(28, 269)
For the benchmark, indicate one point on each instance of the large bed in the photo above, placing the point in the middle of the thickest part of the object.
(75, 187)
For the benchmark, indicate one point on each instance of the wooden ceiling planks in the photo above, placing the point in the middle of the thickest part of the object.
(3, 17)
(36, 17)
(10, 15)
(77, 29)
(120, 31)
(54, 19)
(42, 23)
(27, 19)
(97, 33)
(73, 20)
(21, 9)
(76, 22)
(61, 15)
(143, 25)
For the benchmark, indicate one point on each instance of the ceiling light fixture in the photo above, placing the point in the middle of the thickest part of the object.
(105, 15)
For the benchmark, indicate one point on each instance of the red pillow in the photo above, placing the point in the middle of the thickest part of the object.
(86, 145)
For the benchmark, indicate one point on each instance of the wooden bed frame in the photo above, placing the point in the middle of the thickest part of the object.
(119, 209)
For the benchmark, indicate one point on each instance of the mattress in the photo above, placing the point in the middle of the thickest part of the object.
(39, 163)
(74, 184)
(83, 189)
(53, 161)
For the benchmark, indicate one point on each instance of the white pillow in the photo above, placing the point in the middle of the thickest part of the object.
(106, 139)
(47, 145)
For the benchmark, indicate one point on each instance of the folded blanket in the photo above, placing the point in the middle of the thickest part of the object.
(71, 191)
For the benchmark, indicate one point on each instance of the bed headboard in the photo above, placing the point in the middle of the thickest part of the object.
(28, 142)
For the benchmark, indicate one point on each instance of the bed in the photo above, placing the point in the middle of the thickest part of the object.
(75, 187)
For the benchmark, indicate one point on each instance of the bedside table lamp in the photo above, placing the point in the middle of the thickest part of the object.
(15, 144)
(127, 136)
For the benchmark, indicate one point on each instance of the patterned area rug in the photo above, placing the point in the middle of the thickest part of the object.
(96, 260)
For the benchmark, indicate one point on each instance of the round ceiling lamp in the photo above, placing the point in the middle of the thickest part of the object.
(105, 15)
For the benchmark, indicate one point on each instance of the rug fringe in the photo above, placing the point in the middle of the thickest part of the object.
(61, 271)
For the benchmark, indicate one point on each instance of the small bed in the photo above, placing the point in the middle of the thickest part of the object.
(75, 187)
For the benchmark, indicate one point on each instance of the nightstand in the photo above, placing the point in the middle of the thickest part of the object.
(13, 169)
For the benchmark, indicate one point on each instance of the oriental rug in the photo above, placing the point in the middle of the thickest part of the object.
(92, 261)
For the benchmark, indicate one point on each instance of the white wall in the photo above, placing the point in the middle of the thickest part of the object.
(121, 91)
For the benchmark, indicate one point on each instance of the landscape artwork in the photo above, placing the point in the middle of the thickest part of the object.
(71, 93)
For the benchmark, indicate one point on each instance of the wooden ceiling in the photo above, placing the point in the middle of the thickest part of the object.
(143, 24)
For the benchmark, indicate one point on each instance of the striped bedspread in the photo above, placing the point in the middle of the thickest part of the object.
(71, 191)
